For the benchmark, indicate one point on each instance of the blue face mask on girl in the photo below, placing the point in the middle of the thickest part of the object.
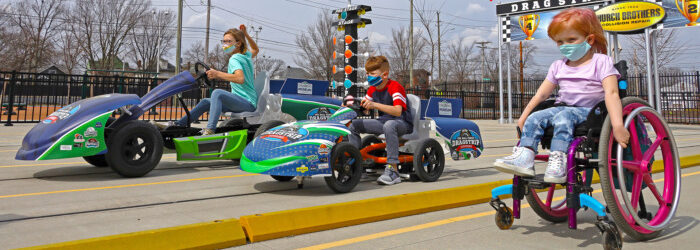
(229, 49)
(575, 52)
(374, 80)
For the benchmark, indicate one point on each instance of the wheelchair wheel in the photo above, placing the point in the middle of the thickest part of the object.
(549, 209)
(625, 196)
(429, 160)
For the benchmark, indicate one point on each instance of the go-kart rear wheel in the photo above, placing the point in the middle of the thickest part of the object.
(267, 126)
(96, 160)
(134, 149)
(345, 167)
(282, 178)
(429, 160)
(650, 137)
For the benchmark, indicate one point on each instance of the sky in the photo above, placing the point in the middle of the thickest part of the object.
(283, 20)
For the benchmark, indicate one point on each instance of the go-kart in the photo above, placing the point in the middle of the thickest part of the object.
(105, 130)
(317, 148)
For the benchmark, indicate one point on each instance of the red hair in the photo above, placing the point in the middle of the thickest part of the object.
(582, 20)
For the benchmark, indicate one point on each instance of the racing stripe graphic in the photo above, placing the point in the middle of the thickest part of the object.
(317, 142)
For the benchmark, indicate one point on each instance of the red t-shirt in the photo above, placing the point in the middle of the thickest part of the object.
(393, 94)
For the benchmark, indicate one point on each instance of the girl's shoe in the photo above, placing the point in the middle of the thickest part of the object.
(521, 162)
(206, 131)
(556, 168)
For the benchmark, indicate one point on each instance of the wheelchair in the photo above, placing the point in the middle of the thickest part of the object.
(594, 149)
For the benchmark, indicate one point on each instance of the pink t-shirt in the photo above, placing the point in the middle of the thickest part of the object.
(582, 86)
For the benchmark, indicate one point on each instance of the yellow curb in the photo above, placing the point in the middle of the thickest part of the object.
(260, 227)
(207, 235)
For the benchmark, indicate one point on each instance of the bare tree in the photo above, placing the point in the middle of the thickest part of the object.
(151, 38)
(267, 63)
(194, 54)
(427, 17)
(218, 59)
(528, 50)
(37, 21)
(667, 48)
(69, 52)
(316, 48)
(399, 51)
(104, 26)
(460, 64)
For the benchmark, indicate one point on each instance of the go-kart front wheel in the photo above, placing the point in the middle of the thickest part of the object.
(134, 149)
(345, 164)
(267, 126)
(429, 160)
(282, 178)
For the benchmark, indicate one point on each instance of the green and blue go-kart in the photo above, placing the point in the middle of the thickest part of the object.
(131, 147)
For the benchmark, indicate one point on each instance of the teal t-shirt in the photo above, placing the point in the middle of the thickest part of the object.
(247, 89)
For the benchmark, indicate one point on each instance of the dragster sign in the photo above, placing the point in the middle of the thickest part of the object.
(535, 5)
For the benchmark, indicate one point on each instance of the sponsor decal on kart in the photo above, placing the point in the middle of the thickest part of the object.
(98, 125)
(302, 169)
(305, 88)
(285, 134)
(79, 138)
(465, 144)
(322, 165)
(66, 147)
(320, 114)
(90, 132)
(445, 108)
(77, 145)
(92, 143)
(62, 113)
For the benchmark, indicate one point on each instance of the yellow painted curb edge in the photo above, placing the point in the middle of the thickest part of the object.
(207, 235)
(261, 227)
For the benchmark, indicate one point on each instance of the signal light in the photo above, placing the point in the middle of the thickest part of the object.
(348, 54)
(344, 15)
(341, 27)
(348, 69)
(334, 70)
(347, 83)
(334, 56)
(334, 42)
(348, 39)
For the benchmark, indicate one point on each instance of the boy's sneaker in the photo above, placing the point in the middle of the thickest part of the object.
(521, 162)
(389, 177)
(556, 168)
(206, 131)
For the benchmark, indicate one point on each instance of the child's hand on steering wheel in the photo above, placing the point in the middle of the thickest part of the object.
(367, 104)
(213, 74)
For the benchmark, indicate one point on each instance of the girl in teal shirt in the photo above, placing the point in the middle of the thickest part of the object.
(242, 97)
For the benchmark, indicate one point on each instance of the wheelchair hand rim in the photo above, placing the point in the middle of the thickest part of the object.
(621, 180)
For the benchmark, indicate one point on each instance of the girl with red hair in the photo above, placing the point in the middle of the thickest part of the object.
(585, 76)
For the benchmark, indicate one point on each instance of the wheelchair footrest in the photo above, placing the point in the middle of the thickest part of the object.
(537, 182)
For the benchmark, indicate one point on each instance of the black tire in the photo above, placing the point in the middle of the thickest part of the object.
(369, 140)
(234, 124)
(123, 149)
(429, 160)
(609, 193)
(345, 164)
(97, 160)
(267, 126)
(282, 178)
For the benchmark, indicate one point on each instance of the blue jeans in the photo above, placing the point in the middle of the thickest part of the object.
(391, 129)
(564, 120)
(220, 101)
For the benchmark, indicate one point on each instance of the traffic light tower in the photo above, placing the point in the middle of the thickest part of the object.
(349, 22)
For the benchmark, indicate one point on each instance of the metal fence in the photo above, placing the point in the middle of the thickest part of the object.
(30, 97)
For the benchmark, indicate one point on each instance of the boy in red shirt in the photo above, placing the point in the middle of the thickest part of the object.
(389, 98)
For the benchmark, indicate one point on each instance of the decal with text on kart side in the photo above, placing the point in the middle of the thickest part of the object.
(85, 140)
(464, 145)
(61, 114)
(294, 149)
(320, 114)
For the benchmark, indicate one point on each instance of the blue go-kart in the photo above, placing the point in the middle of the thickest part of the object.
(318, 148)
(132, 148)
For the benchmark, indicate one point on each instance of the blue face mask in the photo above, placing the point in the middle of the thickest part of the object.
(374, 80)
(229, 49)
(574, 52)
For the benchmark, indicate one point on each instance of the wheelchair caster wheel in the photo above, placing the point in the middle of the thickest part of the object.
(504, 217)
(612, 239)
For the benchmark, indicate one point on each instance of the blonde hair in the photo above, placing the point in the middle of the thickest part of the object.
(240, 37)
(582, 20)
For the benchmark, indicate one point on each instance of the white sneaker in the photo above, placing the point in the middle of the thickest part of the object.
(521, 162)
(556, 168)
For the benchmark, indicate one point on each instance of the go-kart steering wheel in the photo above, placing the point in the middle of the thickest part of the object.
(202, 75)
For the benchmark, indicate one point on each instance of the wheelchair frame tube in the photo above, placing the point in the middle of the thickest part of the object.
(572, 197)
(516, 200)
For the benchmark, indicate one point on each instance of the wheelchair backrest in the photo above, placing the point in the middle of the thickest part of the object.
(443, 107)
(304, 87)
(262, 88)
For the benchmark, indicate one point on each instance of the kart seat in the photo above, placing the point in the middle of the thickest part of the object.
(262, 89)
(414, 105)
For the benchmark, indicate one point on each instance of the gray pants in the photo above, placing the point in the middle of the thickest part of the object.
(391, 129)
